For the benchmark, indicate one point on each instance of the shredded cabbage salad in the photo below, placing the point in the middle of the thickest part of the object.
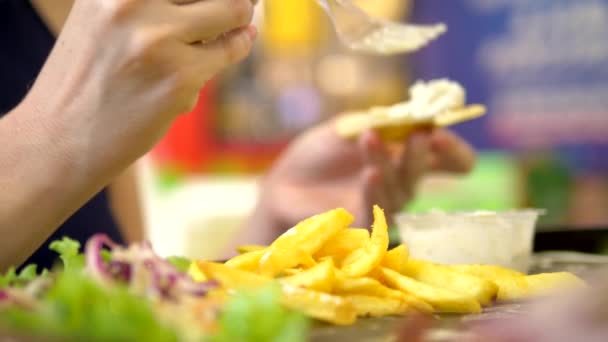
(116, 293)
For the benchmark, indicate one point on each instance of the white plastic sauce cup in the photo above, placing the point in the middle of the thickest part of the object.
(492, 238)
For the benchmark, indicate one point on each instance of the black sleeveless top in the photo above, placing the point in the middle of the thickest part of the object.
(25, 43)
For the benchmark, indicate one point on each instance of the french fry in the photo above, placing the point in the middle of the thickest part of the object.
(335, 274)
(442, 300)
(396, 258)
(363, 260)
(319, 278)
(369, 306)
(305, 259)
(484, 291)
(307, 237)
(364, 286)
(232, 278)
(249, 248)
(195, 273)
(246, 262)
(345, 242)
(318, 305)
(292, 271)
(556, 280)
(511, 284)
(322, 306)
(539, 284)
(371, 287)
(486, 271)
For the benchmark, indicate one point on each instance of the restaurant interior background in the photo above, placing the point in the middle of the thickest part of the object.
(541, 67)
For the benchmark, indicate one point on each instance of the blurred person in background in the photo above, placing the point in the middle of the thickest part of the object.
(79, 115)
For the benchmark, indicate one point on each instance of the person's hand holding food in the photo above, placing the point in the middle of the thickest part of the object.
(119, 74)
(321, 170)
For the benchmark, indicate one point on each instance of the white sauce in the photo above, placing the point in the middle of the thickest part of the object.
(428, 99)
(393, 38)
(503, 239)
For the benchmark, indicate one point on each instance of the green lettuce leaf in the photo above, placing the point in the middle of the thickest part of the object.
(80, 309)
(181, 263)
(259, 316)
(27, 274)
(69, 253)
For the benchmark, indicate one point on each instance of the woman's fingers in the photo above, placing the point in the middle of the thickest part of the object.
(206, 20)
(376, 155)
(229, 49)
(451, 153)
(413, 162)
(374, 193)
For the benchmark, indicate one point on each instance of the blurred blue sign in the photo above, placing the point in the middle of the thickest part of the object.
(541, 67)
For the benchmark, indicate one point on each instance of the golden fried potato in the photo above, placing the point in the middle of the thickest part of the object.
(538, 284)
(335, 274)
(345, 285)
(344, 243)
(396, 258)
(557, 280)
(363, 260)
(306, 238)
(486, 271)
(442, 300)
(371, 287)
(195, 273)
(511, 284)
(484, 291)
(319, 278)
(247, 262)
(232, 278)
(249, 248)
(370, 306)
(318, 305)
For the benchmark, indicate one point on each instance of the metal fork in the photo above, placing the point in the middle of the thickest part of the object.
(361, 32)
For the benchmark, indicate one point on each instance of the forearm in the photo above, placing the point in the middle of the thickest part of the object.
(44, 178)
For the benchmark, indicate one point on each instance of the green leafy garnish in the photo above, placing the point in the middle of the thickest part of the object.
(29, 272)
(259, 316)
(181, 263)
(69, 252)
(8, 278)
(78, 308)
(12, 279)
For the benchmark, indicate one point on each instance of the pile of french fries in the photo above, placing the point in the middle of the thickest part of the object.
(336, 274)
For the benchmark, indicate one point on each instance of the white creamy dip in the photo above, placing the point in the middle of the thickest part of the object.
(428, 99)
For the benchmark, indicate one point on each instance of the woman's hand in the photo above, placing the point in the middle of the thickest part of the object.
(123, 69)
(119, 74)
(321, 171)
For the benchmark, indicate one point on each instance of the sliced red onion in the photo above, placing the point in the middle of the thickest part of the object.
(200, 289)
(4, 296)
(94, 261)
(162, 278)
(120, 270)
